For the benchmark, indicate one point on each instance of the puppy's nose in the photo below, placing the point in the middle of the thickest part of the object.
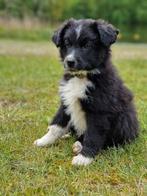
(71, 63)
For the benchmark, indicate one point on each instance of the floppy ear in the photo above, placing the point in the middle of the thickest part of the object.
(107, 32)
(58, 34)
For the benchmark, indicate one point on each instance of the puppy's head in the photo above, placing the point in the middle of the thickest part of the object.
(84, 44)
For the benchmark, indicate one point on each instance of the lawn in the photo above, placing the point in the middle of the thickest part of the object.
(29, 77)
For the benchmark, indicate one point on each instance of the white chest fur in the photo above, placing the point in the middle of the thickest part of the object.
(71, 92)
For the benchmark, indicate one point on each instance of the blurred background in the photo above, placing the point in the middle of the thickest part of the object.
(22, 19)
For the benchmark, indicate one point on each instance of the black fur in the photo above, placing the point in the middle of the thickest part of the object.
(110, 114)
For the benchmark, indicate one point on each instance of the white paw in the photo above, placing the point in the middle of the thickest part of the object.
(81, 160)
(77, 147)
(39, 143)
(54, 132)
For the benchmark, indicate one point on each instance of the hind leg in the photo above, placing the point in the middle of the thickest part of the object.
(77, 147)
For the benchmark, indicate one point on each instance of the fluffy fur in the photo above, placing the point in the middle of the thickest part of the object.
(71, 98)
(95, 104)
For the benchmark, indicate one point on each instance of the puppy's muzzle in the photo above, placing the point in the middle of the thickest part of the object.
(70, 62)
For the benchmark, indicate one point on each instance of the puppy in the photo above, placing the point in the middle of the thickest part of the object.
(95, 104)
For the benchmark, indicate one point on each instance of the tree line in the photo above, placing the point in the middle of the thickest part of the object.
(118, 12)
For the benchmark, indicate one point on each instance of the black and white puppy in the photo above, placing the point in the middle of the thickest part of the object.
(95, 104)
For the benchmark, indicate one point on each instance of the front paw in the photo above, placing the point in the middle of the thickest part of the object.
(45, 140)
(81, 160)
(39, 143)
(54, 132)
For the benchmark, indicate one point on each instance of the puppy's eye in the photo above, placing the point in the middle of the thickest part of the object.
(67, 42)
(86, 44)
(89, 43)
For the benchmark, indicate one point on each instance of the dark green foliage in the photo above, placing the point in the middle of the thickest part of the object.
(118, 12)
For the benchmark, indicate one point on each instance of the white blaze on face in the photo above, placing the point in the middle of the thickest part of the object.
(78, 31)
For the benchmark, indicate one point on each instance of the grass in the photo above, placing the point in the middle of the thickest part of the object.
(29, 76)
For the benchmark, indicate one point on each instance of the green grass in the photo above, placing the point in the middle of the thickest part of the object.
(29, 99)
